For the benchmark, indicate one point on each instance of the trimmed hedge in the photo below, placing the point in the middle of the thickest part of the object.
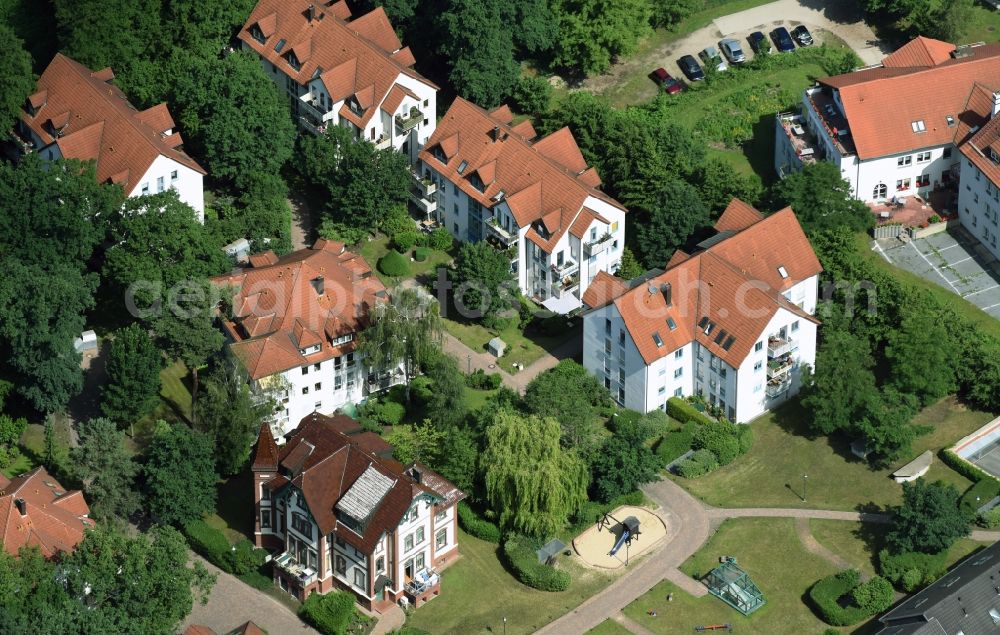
(966, 469)
(674, 444)
(241, 559)
(394, 264)
(701, 462)
(331, 613)
(420, 254)
(912, 570)
(827, 593)
(519, 553)
(476, 526)
(985, 491)
(683, 411)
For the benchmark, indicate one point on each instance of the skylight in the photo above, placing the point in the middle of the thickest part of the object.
(671, 324)
(658, 340)
(280, 45)
(918, 125)
(782, 271)
(950, 120)
(728, 343)
(720, 336)
(702, 322)
(462, 166)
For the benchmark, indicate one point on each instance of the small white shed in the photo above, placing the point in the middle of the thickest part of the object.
(497, 347)
(914, 469)
(86, 342)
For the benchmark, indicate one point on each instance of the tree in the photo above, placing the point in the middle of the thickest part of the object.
(531, 481)
(667, 14)
(363, 186)
(422, 442)
(929, 520)
(231, 414)
(484, 287)
(886, 424)
(106, 469)
(624, 462)
(923, 352)
(678, 212)
(16, 79)
(980, 370)
(571, 396)
(594, 33)
(629, 266)
(589, 117)
(11, 430)
(843, 385)
(187, 332)
(402, 331)
(719, 183)
(446, 405)
(479, 47)
(939, 19)
(133, 369)
(459, 463)
(531, 94)
(234, 118)
(179, 474)
(822, 199)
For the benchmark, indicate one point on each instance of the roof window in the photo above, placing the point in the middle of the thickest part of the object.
(728, 343)
(782, 271)
(702, 322)
(721, 336)
(918, 125)
(671, 324)
(709, 327)
(280, 45)
(950, 120)
(462, 166)
(658, 340)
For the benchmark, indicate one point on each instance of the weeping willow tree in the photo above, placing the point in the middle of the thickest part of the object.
(531, 480)
(402, 331)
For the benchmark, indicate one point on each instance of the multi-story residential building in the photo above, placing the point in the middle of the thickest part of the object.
(295, 323)
(36, 511)
(534, 199)
(978, 141)
(732, 322)
(76, 113)
(892, 129)
(340, 513)
(345, 72)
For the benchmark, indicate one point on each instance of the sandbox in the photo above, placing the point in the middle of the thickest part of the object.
(595, 544)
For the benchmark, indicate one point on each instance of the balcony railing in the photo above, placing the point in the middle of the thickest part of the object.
(303, 575)
(427, 204)
(383, 381)
(312, 125)
(425, 582)
(384, 142)
(777, 387)
(779, 367)
(567, 268)
(778, 346)
(24, 144)
(424, 185)
(597, 246)
(568, 285)
(409, 121)
(311, 106)
(503, 237)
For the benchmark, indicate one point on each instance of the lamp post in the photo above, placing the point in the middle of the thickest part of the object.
(469, 364)
(805, 479)
(504, 625)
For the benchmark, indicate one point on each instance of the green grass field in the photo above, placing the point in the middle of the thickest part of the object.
(609, 627)
(770, 475)
(521, 348)
(372, 250)
(983, 26)
(477, 592)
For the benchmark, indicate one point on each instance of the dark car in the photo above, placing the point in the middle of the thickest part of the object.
(783, 40)
(664, 79)
(759, 43)
(689, 65)
(802, 35)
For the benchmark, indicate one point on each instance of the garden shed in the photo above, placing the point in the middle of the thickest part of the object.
(497, 347)
(734, 587)
(914, 469)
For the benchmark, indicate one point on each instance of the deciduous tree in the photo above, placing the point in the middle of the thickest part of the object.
(594, 33)
(929, 520)
(571, 396)
(676, 213)
(16, 79)
(624, 461)
(484, 287)
(479, 47)
(179, 474)
(923, 352)
(821, 199)
(843, 384)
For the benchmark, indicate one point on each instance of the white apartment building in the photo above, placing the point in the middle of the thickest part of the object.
(295, 323)
(76, 113)
(892, 129)
(339, 513)
(534, 199)
(343, 71)
(979, 186)
(733, 322)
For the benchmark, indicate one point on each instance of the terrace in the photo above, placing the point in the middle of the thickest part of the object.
(915, 211)
(778, 346)
(301, 573)
(800, 136)
(410, 120)
(503, 237)
(777, 368)
(834, 124)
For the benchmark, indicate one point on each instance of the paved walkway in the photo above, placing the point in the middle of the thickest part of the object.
(389, 621)
(632, 625)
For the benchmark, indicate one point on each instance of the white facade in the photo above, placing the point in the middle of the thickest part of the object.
(744, 393)
(979, 206)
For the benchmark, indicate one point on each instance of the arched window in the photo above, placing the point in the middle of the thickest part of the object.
(881, 191)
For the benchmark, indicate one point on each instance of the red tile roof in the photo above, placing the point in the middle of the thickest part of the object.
(735, 283)
(54, 519)
(360, 58)
(324, 463)
(603, 289)
(982, 146)
(278, 309)
(737, 216)
(266, 455)
(545, 180)
(882, 105)
(100, 124)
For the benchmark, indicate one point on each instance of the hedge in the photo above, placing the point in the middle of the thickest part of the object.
(394, 264)
(330, 613)
(377, 414)
(683, 411)
(873, 596)
(827, 593)
(979, 494)
(519, 553)
(701, 462)
(674, 444)
(421, 254)
(966, 469)
(210, 543)
(476, 526)
(911, 570)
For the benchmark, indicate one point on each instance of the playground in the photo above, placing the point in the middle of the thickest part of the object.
(622, 535)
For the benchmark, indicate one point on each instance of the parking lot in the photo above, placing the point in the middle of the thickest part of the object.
(953, 260)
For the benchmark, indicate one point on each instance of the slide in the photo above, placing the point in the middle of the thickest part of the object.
(621, 541)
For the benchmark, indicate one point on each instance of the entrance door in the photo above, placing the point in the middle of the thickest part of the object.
(380, 595)
(408, 570)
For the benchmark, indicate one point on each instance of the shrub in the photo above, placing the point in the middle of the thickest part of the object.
(394, 264)
(826, 598)
(979, 494)
(683, 411)
(519, 553)
(911, 570)
(210, 543)
(440, 239)
(674, 444)
(873, 596)
(719, 438)
(246, 558)
(989, 519)
(701, 462)
(934, 219)
(420, 254)
(396, 221)
(744, 434)
(531, 94)
(331, 613)
(481, 381)
(377, 414)
(347, 234)
(405, 240)
(477, 526)
(592, 511)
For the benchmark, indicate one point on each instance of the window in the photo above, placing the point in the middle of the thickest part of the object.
(621, 395)
(621, 338)
(441, 539)
(923, 157)
(265, 519)
(360, 578)
(380, 564)
(946, 153)
(679, 353)
(419, 561)
(173, 175)
(318, 386)
(305, 390)
(679, 392)
(318, 406)
(305, 370)
(408, 543)
(918, 125)
(904, 161)
(678, 373)
(657, 340)
(951, 122)
(902, 185)
(662, 390)
(924, 180)
(607, 383)
(420, 535)
(671, 324)
(880, 192)
(302, 525)
(783, 272)
(340, 565)
(145, 188)
(593, 234)
(758, 347)
(316, 366)
(758, 366)
(159, 184)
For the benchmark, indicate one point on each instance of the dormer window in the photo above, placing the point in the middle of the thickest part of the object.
(438, 154)
(293, 61)
(477, 182)
(994, 156)
(257, 34)
(950, 120)
(309, 350)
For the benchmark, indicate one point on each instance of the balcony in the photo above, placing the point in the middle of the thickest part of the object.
(778, 346)
(778, 386)
(566, 286)
(313, 125)
(311, 106)
(424, 586)
(384, 142)
(302, 574)
(24, 143)
(425, 203)
(424, 186)
(410, 120)
(595, 247)
(383, 381)
(832, 123)
(801, 140)
(503, 237)
(780, 367)
(567, 268)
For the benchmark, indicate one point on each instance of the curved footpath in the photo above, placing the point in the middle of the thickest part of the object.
(689, 522)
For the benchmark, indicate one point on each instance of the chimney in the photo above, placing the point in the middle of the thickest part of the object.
(667, 292)
(996, 103)
(311, 12)
(318, 284)
(22, 506)
(495, 133)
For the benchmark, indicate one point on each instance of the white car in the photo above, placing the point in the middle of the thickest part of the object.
(732, 50)
(710, 57)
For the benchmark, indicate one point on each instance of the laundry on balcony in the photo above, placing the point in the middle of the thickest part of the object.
(424, 579)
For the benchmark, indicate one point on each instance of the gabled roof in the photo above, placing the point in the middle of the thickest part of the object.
(53, 520)
(279, 310)
(547, 180)
(737, 217)
(603, 289)
(891, 110)
(355, 57)
(98, 123)
(735, 285)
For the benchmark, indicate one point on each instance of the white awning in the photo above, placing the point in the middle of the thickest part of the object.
(563, 305)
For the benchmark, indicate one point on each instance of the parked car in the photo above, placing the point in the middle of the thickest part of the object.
(732, 50)
(710, 57)
(782, 40)
(664, 79)
(691, 69)
(802, 35)
(759, 43)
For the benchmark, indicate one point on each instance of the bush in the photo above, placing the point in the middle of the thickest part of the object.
(979, 494)
(873, 596)
(246, 558)
(440, 239)
(347, 234)
(531, 94)
(683, 411)
(396, 222)
(592, 511)
(674, 444)
(989, 519)
(826, 598)
(394, 264)
(701, 462)
(210, 543)
(331, 613)
(481, 381)
(744, 434)
(719, 438)
(377, 414)
(420, 254)
(911, 570)
(405, 240)
(476, 526)
(519, 553)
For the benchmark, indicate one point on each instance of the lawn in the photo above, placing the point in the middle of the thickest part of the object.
(233, 512)
(770, 475)
(982, 26)
(769, 550)
(609, 627)
(372, 250)
(477, 593)
(522, 348)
